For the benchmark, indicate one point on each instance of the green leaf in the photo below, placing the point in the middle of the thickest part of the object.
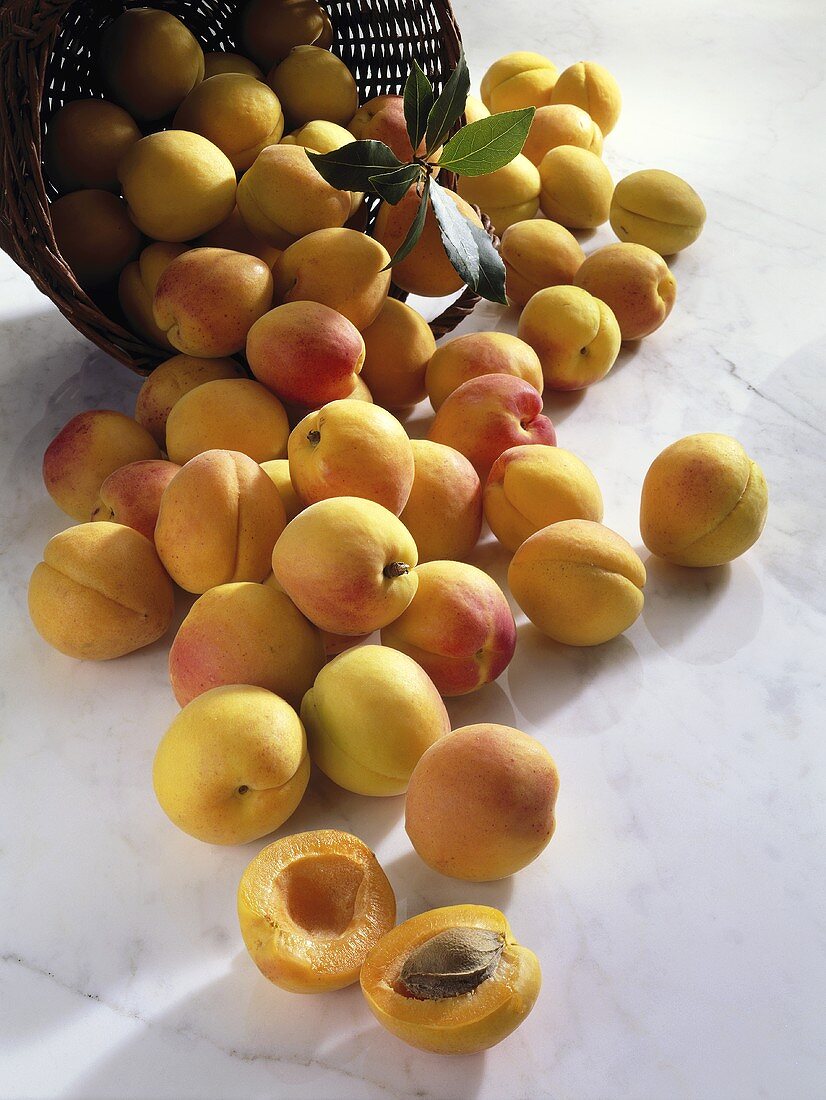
(449, 106)
(418, 99)
(416, 227)
(469, 249)
(350, 167)
(394, 185)
(487, 144)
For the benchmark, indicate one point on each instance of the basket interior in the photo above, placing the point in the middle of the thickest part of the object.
(378, 40)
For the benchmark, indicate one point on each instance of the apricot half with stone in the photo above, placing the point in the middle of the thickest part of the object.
(452, 980)
(311, 906)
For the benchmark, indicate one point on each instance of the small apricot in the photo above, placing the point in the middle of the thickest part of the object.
(238, 113)
(230, 414)
(232, 766)
(452, 980)
(444, 510)
(576, 187)
(94, 235)
(132, 494)
(508, 195)
(268, 29)
(278, 471)
(100, 592)
(369, 716)
(217, 62)
(657, 209)
(476, 354)
(84, 142)
(398, 345)
(591, 87)
(520, 79)
(636, 284)
(481, 802)
(704, 501)
(561, 124)
(313, 84)
(245, 633)
(538, 254)
(531, 487)
(168, 383)
(578, 582)
(458, 626)
(311, 906)
(574, 334)
(136, 289)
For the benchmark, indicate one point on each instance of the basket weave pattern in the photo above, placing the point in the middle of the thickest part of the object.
(47, 58)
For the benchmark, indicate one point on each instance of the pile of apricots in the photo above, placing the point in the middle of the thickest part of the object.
(289, 500)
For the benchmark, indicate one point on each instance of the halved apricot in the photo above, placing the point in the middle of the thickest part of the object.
(452, 980)
(311, 906)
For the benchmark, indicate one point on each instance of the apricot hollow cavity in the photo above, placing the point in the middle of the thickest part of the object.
(311, 906)
(452, 980)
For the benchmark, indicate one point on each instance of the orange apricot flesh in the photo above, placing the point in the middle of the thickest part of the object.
(311, 906)
(467, 1022)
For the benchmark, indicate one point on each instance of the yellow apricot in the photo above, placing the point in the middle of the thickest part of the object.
(578, 581)
(657, 209)
(508, 195)
(136, 289)
(94, 235)
(269, 29)
(538, 254)
(398, 346)
(85, 140)
(444, 510)
(704, 501)
(521, 79)
(574, 334)
(169, 381)
(218, 62)
(591, 87)
(231, 414)
(312, 83)
(561, 124)
(238, 113)
(576, 188)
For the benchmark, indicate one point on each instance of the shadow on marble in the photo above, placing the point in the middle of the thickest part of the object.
(492, 557)
(418, 887)
(488, 704)
(240, 1019)
(546, 678)
(688, 612)
(560, 404)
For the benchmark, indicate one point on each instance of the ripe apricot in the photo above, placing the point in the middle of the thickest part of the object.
(311, 906)
(452, 980)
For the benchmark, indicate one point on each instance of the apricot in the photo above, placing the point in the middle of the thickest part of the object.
(168, 383)
(538, 254)
(351, 449)
(382, 119)
(234, 235)
(217, 62)
(282, 197)
(278, 471)
(480, 805)
(634, 281)
(475, 109)
(268, 29)
(85, 451)
(84, 141)
(487, 415)
(229, 414)
(578, 581)
(521, 79)
(100, 592)
(321, 136)
(94, 235)
(591, 87)
(245, 633)
(177, 184)
(136, 289)
(132, 494)
(452, 980)
(444, 510)
(149, 62)
(208, 299)
(305, 352)
(425, 270)
(219, 519)
(561, 124)
(574, 334)
(530, 487)
(478, 354)
(458, 627)
(239, 114)
(704, 501)
(508, 195)
(311, 906)
(398, 345)
(312, 84)
(232, 766)
(657, 209)
(370, 715)
(339, 268)
(347, 564)
(337, 643)
(576, 187)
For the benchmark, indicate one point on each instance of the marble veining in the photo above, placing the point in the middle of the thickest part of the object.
(679, 912)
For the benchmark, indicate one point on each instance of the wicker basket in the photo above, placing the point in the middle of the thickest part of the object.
(47, 57)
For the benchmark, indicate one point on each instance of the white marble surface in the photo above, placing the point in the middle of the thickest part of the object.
(679, 911)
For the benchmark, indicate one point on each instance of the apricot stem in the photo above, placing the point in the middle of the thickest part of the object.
(396, 569)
